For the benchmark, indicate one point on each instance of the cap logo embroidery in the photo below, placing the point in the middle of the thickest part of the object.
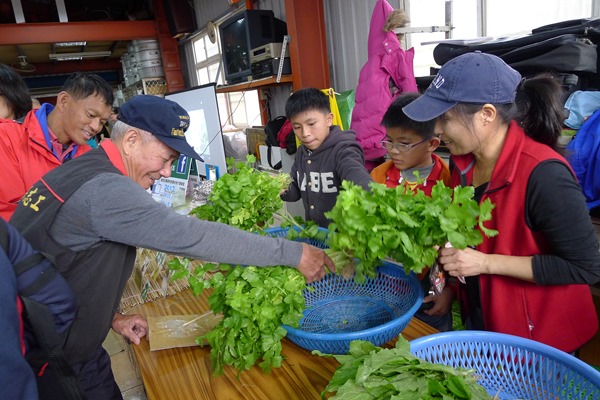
(438, 81)
(184, 121)
(177, 132)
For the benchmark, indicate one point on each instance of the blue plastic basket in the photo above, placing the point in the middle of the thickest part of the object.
(512, 367)
(340, 311)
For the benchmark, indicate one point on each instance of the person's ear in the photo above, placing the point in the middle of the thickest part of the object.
(329, 119)
(434, 143)
(61, 100)
(488, 113)
(131, 139)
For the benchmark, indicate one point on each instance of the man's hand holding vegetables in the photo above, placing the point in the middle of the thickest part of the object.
(312, 263)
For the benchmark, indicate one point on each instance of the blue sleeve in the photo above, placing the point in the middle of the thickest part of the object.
(56, 293)
(17, 380)
(18, 247)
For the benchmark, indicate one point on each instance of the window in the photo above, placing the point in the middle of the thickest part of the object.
(502, 18)
(240, 109)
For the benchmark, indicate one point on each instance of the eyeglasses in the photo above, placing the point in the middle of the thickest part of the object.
(401, 147)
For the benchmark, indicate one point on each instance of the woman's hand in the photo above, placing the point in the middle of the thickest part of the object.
(467, 262)
(470, 262)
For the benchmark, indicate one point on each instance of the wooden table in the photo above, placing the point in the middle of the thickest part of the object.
(186, 373)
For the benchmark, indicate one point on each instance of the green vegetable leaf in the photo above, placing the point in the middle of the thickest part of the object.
(370, 226)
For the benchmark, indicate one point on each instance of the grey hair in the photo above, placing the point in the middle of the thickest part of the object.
(120, 128)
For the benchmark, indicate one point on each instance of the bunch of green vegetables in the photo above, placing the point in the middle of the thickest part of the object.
(370, 226)
(246, 198)
(372, 372)
(255, 302)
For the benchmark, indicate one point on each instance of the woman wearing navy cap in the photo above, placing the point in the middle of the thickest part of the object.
(531, 280)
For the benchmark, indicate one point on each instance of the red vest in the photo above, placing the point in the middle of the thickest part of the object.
(562, 316)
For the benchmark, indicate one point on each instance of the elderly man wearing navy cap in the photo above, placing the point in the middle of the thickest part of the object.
(93, 212)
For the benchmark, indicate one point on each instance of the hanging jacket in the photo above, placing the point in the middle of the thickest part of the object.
(562, 316)
(440, 172)
(386, 59)
(26, 157)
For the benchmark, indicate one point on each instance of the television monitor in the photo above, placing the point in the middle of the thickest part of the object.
(243, 32)
(204, 133)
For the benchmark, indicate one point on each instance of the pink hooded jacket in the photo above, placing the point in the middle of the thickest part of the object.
(386, 60)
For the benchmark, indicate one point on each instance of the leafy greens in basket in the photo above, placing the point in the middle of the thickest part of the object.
(372, 372)
(255, 302)
(403, 225)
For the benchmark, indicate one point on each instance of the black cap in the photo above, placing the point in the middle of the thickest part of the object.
(164, 118)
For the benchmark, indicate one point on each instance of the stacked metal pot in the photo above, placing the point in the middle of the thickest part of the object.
(142, 60)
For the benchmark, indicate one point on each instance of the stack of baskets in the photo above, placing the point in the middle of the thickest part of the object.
(510, 367)
(339, 311)
(142, 60)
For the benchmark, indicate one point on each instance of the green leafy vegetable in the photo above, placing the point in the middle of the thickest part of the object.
(246, 199)
(372, 372)
(255, 302)
(402, 225)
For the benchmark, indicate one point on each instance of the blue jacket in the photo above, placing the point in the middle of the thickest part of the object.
(583, 153)
(17, 380)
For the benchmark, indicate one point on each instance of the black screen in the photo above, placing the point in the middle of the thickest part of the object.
(235, 47)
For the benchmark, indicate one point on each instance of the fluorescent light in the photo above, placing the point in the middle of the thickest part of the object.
(68, 58)
(79, 56)
(70, 44)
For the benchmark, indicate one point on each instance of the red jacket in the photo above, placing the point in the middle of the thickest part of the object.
(25, 158)
(562, 316)
(388, 174)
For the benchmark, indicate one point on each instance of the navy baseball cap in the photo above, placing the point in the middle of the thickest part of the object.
(475, 77)
(164, 118)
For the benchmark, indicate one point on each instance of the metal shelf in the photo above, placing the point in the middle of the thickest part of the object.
(255, 84)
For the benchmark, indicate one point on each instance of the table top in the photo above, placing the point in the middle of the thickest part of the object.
(186, 373)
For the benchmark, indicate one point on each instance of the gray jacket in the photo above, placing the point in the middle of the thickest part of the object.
(317, 175)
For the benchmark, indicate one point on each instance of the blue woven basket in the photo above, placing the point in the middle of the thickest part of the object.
(340, 311)
(512, 367)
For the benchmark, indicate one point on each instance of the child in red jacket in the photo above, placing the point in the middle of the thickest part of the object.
(410, 146)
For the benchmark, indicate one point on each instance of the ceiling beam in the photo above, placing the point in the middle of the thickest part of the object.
(93, 31)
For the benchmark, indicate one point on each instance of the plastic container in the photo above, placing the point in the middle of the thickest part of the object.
(340, 311)
(512, 367)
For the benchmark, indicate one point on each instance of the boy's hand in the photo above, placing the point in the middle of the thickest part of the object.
(312, 263)
(442, 303)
